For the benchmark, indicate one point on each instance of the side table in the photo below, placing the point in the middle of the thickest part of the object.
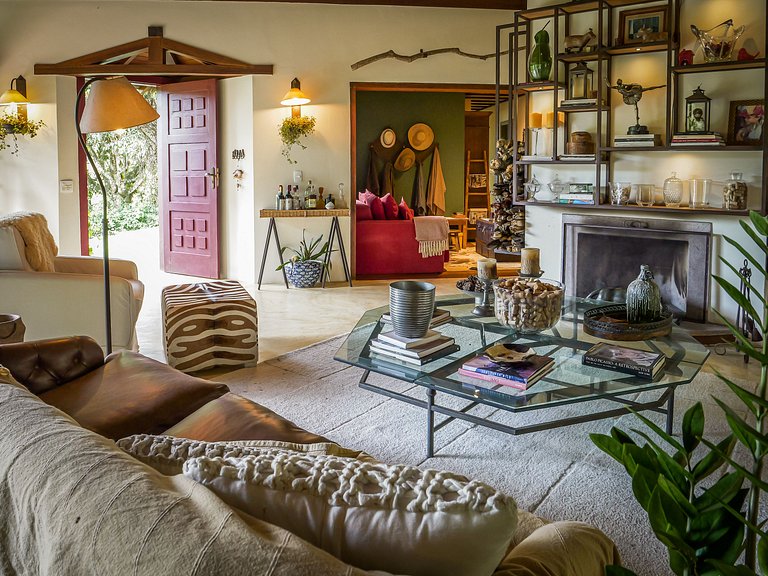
(11, 329)
(334, 235)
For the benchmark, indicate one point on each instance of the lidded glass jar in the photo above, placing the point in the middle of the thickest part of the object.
(532, 188)
(673, 191)
(735, 193)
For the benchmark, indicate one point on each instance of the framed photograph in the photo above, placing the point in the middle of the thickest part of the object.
(474, 214)
(478, 180)
(745, 122)
(643, 25)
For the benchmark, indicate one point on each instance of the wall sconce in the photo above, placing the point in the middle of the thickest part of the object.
(16, 98)
(295, 98)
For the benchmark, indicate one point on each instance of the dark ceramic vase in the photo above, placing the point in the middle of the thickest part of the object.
(643, 298)
(540, 60)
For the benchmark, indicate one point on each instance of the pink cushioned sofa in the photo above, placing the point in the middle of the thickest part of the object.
(389, 248)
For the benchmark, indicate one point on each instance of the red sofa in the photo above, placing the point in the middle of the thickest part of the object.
(389, 247)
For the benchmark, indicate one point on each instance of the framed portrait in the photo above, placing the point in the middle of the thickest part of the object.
(745, 122)
(643, 25)
(474, 214)
(478, 180)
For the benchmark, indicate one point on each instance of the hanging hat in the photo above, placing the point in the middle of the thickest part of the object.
(420, 136)
(405, 160)
(388, 138)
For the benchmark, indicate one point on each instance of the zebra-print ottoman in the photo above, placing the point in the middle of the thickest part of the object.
(209, 324)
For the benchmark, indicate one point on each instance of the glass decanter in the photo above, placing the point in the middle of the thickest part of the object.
(673, 191)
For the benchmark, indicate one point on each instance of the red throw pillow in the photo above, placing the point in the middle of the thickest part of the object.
(362, 211)
(403, 212)
(390, 206)
(377, 208)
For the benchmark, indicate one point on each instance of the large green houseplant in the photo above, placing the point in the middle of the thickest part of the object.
(709, 526)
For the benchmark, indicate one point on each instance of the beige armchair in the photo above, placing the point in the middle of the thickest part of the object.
(70, 300)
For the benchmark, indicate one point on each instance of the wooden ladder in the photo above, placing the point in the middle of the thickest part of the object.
(470, 191)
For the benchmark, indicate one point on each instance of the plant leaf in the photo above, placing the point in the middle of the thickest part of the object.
(729, 570)
(759, 221)
(750, 400)
(609, 445)
(671, 469)
(751, 477)
(643, 484)
(668, 519)
(755, 237)
(660, 433)
(737, 296)
(746, 255)
(675, 492)
(755, 292)
(746, 345)
(721, 492)
(713, 461)
(693, 426)
(746, 434)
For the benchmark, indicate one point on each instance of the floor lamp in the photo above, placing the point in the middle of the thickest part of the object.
(112, 104)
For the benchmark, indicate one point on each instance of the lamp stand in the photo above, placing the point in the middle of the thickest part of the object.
(104, 224)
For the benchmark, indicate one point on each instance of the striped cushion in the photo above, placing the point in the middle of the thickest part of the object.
(209, 324)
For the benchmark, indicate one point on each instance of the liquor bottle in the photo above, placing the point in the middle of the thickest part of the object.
(289, 200)
(296, 198)
(280, 198)
(320, 201)
(310, 202)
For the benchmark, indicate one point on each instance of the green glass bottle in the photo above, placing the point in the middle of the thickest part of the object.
(540, 60)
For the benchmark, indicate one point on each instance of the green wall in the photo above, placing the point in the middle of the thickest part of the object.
(443, 112)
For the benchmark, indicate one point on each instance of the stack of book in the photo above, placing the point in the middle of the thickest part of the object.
(520, 374)
(576, 198)
(439, 317)
(700, 139)
(584, 157)
(418, 351)
(626, 360)
(636, 140)
(578, 103)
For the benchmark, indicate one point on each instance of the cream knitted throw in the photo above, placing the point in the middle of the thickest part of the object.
(431, 234)
(39, 245)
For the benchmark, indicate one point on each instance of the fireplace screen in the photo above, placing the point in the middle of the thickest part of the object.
(602, 252)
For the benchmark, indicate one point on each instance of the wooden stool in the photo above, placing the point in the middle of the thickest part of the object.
(457, 225)
(209, 324)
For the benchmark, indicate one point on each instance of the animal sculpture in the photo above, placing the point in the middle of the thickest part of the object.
(580, 42)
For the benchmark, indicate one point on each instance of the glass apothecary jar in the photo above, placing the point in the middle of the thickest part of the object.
(735, 193)
(673, 191)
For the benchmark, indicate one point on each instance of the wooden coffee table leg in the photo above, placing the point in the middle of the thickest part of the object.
(430, 422)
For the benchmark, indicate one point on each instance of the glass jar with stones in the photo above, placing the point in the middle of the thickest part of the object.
(735, 193)
(528, 305)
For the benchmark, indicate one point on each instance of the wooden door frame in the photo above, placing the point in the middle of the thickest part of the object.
(354, 89)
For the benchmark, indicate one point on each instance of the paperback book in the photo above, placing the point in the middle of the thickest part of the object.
(420, 351)
(514, 364)
(503, 381)
(439, 317)
(377, 354)
(402, 342)
(626, 360)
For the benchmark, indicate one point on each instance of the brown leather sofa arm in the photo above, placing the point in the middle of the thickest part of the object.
(43, 365)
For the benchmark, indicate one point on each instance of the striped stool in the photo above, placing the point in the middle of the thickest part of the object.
(209, 324)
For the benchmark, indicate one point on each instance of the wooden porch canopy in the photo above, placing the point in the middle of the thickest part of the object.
(154, 56)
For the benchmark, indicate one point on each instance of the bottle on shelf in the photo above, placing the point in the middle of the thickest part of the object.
(289, 200)
(310, 198)
(673, 191)
(296, 198)
(320, 201)
(340, 197)
(735, 193)
(280, 198)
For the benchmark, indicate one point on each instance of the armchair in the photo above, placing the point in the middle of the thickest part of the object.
(69, 300)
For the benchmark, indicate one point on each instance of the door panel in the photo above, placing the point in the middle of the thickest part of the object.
(189, 194)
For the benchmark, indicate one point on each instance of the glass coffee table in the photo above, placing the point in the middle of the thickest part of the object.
(569, 382)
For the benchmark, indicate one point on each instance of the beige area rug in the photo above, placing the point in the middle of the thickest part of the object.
(465, 260)
(557, 474)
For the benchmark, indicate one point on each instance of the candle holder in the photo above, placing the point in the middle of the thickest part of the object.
(484, 299)
(539, 275)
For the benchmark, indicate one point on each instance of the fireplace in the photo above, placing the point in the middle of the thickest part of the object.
(606, 252)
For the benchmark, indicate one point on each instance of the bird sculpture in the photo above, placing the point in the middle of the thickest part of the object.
(643, 298)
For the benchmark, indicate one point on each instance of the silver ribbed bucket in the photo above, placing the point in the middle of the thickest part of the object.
(411, 305)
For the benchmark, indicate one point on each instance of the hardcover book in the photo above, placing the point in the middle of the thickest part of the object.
(626, 360)
(402, 342)
(419, 351)
(511, 362)
(406, 360)
(439, 317)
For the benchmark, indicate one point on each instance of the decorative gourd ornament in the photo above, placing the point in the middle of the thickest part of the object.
(643, 298)
(540, 60)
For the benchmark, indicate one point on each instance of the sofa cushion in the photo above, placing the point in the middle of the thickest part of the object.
(394, 518)
(233, 417)
(132, 394)
(362, 211)
(390, 206)
(374, 203)
(403, 211)
(75, 504)
(12, 250)
(167, 454)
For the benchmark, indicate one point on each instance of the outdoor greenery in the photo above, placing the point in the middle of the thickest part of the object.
(708, 520)
(127, 161)
(14, 126)
(311, 251)
(292, 130)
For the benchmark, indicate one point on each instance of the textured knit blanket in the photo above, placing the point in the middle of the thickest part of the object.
(431, 234)
(39, 245)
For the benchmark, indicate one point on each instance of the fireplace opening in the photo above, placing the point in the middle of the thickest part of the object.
(605, 252)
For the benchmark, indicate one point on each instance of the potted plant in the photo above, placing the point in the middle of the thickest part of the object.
(292, 130)
(15, 125)
(307, 263)
(702, 499)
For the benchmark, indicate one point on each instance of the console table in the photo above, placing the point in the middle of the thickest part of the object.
(334, 234)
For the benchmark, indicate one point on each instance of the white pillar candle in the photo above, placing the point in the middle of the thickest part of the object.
(486, 269)
(529, 261)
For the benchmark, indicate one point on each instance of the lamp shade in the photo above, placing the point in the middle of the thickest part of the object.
(114, 104)
(13, 97)
(294, 96)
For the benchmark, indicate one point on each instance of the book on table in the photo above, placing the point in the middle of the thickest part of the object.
(439, 317)
(419, 351)
(509, 364)
(403, 342)
(379, 354)
(631, 361)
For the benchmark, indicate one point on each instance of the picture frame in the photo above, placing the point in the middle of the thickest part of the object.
(745, 122)
(478, 181)
(642, 25)
(474, 214)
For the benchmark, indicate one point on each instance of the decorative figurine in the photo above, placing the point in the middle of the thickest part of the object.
(685, 58)
(540, 60)
(578, 43)
(643, 298)
(632, 93)
(744, 55)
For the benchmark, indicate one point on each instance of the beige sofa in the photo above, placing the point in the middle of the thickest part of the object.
(70, 299)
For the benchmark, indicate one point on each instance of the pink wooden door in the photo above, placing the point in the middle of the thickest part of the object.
(189, 178)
